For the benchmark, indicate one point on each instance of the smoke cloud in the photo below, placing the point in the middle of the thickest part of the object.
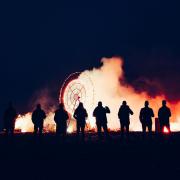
(110, 86)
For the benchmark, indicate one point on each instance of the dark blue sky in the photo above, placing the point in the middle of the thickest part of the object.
(42, 42)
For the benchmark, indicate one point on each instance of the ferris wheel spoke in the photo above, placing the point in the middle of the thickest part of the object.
(70, 88)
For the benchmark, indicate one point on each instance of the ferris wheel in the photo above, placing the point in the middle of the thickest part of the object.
(77, 87)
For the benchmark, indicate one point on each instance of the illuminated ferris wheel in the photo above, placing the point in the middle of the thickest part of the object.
(78, 87)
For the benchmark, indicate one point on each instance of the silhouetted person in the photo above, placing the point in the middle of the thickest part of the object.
(123, 114)
(38, 117)
(145, 117)
(164, 114)
(80, 115)
(61, 117)
(101, 118)
(10, 116)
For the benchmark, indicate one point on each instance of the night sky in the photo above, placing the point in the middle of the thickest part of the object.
(41, 43)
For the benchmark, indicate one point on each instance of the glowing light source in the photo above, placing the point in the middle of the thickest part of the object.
(166, 130)
(70, 129)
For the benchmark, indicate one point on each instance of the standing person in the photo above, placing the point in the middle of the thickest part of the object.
(80, 115)
(164, 114)
(61, 117)
(101, 118)
(123, 114)
(145, 117)
(38, 117)
(10, 116)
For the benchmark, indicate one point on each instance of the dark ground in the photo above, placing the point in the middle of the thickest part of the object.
(48, 157)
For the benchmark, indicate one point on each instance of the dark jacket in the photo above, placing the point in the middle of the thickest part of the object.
(38, 117)
(164, 114)
(10, 116)
(100, 114)
(146, 115)
(124, 113)
(61, 116)
(80, 115)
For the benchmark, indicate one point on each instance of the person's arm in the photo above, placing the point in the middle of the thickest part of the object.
(86, 114)
(169, 113)
(15, 114)
(159, 113)
(141, 116)
(55, 117)
(44, 115)
(119, 113)
(107, 110)
(152, 113)
(75, 114)
(130, 111)
(33, 117)
(67, 116)
(94, 113)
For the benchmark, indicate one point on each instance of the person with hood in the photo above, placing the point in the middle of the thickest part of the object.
(80, 115)
(123, 114)
(10, 116)
(38, 117)
(101, 119)
(60, 118)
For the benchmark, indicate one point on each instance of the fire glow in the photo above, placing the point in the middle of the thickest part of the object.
(108, 88)
(166, 130)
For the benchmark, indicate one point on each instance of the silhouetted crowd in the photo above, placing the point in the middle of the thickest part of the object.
(61, 117)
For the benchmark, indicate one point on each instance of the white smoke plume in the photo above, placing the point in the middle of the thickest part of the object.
(107, 85)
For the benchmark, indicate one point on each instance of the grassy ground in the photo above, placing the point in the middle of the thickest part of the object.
(51, 157)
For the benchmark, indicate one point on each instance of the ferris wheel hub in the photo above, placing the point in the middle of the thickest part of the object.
(76, 97)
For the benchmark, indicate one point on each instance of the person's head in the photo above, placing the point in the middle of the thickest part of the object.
(81, 105)
(38, 106)
(146, 104)
(100, 104)
(164, 102)
(124, 103)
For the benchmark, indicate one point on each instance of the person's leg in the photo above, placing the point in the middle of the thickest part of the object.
(99, 130)
(64, 133)
(40, 129)
(35, 129)
(82, 131)
(105, 130)
(12, 130)
(150, 128)
(57, 129)
(127, 129)
(122, 128)
(168, 127)
(144, 128)
(161, 125)
(78, 129)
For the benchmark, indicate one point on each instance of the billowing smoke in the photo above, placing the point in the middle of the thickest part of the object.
(43, 97)
(109, 86)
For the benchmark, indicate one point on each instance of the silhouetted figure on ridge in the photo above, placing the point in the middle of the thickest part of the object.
(10, 116)
(123, 114)
(164, 114)
(145, 117)
(38, 117)
(80, 115)
(101, 118)
(61, 117)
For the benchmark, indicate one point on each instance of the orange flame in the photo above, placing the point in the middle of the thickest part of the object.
(166, 130)
(109, 90)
